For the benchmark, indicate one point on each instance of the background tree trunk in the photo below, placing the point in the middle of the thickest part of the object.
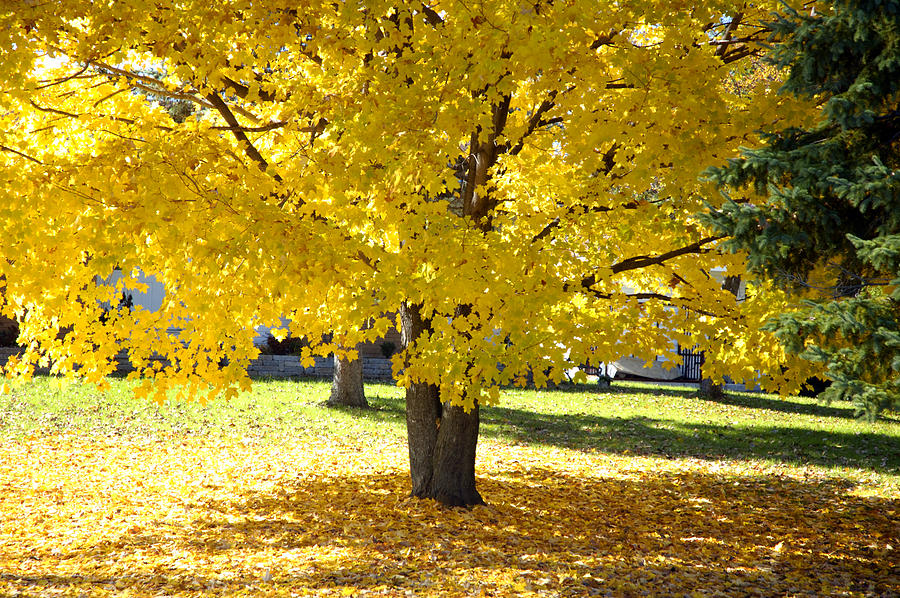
(442, 438)
(347, 385)
(708, 389)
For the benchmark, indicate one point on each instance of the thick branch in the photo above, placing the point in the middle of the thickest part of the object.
(431, 15)
(534, 122)
(151, 85)
(642, 261)
(726, 35)
(239, 134)
(148, 84)
(604, 40)
(739, 53)
(262, 129)
(243, 91)
(661, 297)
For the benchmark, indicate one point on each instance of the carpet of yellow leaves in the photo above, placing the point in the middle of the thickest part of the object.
(193, 516)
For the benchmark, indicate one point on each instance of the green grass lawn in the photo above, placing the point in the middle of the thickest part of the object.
(630, 418)
(638, 490)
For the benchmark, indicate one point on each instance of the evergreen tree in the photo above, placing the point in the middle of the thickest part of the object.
(818, 208)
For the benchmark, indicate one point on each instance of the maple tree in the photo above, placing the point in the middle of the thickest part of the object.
(518, 180)
(818, 208)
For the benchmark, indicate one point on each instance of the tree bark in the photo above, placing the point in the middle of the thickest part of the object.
(453, 483)
(423, 412)
(442, 438)
(347, 385)
(710, 390)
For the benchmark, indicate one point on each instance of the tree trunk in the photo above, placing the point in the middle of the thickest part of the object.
(453, 483)
(347, 384)
(710, 390)
(423, 412)
(442, 438)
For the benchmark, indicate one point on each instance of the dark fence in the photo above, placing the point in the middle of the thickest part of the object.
(691, 364)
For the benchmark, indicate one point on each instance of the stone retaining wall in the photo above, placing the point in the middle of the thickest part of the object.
(7, 352)
(288, 366)
(269, 366)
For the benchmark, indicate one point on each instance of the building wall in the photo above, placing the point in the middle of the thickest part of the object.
(375, 366)
(150, 300)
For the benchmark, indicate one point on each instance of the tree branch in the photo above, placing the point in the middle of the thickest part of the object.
(261, 129)
(242, 91)
(51, 82)
(556, 223)
(726, 41)
(661, 297)
(17, 152)
(642, 261)
(534, 122)
(235, 127)
(151, 85)
(431, 15)
(604, 40)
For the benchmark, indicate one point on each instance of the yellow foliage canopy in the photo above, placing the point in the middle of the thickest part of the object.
(526, 172)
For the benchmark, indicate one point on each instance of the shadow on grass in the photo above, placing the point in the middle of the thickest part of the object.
(662, 534)
(740, 399)
(670, 438)
(758, 401)
(622, 387)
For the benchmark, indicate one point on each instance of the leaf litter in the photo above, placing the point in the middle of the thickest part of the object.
(182, 516)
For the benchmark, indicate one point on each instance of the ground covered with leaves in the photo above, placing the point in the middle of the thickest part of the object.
(588, 494)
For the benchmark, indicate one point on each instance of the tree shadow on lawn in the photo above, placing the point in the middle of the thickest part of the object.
(657, 534)
(669, 438)
(619, 386)
(750, 400)
(738, 399)
(760, 401)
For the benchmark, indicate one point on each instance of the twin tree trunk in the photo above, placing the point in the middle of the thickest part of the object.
(347, 384)
(442, 437)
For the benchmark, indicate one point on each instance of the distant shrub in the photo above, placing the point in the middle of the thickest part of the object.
(289, 346)
(387, 349)
(9, 332)
(8, 337)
